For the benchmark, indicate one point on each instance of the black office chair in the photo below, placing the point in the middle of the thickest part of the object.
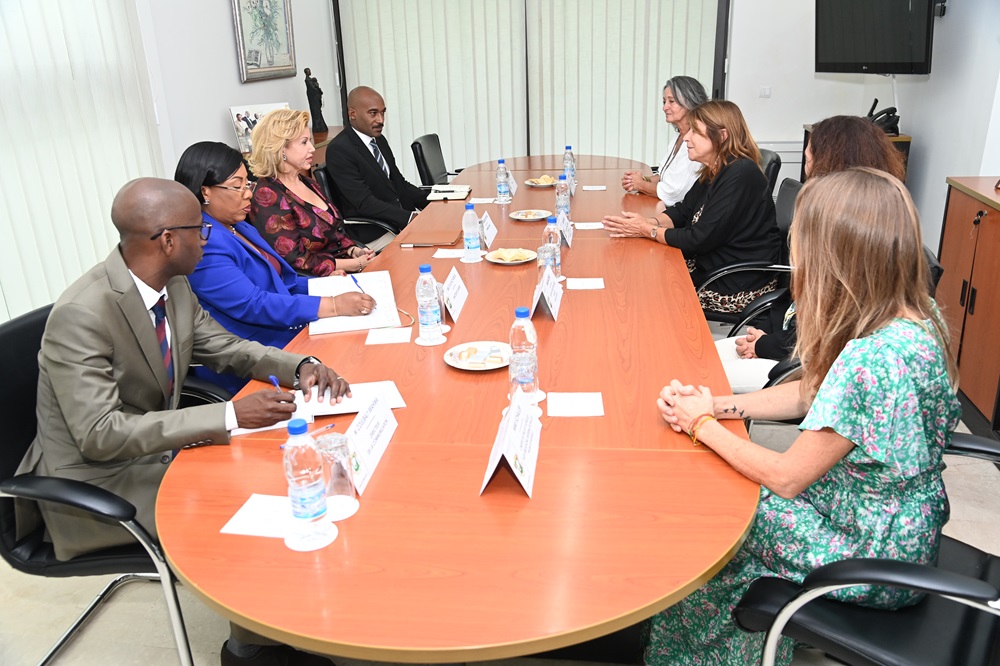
(430, 160)
(372, 233)
(20, 341)
(953, 624)
(784, 212)
(770, 163)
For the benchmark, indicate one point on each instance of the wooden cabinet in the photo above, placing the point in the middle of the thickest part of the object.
(969, 291)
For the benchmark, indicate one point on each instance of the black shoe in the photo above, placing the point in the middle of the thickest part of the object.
(274, 655)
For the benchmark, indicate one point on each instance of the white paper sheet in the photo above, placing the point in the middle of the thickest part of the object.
(299, 414)
(267, 516)
(443, 253)
(481, 200)
(594, 188)
(583, 226)
(376, 284)
(389, 336)
(585, 283)
(361, 394)
(575, 404)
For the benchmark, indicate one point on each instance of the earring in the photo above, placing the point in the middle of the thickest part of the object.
(207, 201)
(284, 158)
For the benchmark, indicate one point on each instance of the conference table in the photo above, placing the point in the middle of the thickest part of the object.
(626, 517)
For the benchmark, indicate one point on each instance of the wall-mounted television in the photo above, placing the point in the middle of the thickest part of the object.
(874, 36)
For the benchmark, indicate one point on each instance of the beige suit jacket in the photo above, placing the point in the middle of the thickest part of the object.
(104, 416)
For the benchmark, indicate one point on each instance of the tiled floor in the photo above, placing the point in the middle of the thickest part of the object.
(133, 628)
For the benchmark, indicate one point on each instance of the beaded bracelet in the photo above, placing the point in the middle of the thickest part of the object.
(697, 423)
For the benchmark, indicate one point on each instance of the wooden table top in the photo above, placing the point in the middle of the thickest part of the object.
(554, 164)
(626, 516)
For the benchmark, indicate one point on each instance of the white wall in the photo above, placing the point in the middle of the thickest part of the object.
(194, 69)
(949, 113)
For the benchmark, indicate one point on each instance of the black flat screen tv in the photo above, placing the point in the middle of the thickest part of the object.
(874, 36)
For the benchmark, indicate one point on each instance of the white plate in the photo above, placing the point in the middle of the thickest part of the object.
(494, 258)
(530, 215)
(531, 183)
(494, 354)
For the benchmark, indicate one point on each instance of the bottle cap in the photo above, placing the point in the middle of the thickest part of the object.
(469, 206)
(500, 161)
(521, 313)
(569, 147)
(425, 268)
(297, 427)
(562, 176)
(552, 219)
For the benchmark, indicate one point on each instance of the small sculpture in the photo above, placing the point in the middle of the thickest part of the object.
(315, 96)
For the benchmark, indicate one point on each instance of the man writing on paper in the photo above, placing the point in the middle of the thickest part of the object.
(115, 352)
(363, 170)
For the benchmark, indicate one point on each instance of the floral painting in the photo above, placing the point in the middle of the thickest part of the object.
(264, 38)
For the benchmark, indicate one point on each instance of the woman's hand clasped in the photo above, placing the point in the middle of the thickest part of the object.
(746, 346)
(681, 404)
(363, 255)
(628, 225)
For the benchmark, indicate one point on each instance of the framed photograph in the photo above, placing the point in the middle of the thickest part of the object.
(264, 39)
(246, 117)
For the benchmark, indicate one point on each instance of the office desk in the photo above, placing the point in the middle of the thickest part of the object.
(626, 518)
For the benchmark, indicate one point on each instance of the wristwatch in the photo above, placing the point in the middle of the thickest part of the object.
(312, 360)
(652, 233)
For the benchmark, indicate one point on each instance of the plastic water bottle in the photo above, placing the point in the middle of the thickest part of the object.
(569, 166)
(470, 231)
(306, 491)
(552, 238)
(523, 368)
(562, 195)
(503, 183)
(428, 305)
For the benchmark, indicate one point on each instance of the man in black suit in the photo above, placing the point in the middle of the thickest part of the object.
(363, 170)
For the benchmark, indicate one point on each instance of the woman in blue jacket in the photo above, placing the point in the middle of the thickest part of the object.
(240, 280)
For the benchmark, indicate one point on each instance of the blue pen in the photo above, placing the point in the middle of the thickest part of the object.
(358, 284)
(277, 384)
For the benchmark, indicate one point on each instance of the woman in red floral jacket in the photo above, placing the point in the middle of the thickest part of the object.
(288, 208)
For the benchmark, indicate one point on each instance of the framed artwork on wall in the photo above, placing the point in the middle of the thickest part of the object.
(264, 39)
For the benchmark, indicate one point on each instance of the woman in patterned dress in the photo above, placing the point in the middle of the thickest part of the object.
(289, 209)
(863, 479)
(727, 216)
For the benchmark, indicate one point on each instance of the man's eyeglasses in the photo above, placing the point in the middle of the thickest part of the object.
(206, 230)
(251, 184)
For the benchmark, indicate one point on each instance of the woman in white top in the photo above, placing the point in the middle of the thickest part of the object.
(677, 173)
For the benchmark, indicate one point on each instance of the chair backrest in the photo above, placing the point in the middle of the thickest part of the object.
(430, 160)
(784, 210)
(770, 162)
(937, 270)
(20, 341)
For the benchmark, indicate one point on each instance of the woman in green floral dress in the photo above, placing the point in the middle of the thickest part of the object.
(863, 479)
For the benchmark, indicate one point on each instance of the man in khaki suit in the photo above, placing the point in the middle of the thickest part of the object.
(106, 405)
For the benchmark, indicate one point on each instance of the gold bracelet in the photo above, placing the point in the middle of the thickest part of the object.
(700, 421)
(647, 179)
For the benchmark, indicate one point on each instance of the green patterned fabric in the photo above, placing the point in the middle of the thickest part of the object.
(887, 393)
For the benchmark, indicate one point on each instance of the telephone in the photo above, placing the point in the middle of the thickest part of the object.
(886, 119)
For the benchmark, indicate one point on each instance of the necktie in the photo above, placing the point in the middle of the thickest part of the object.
(378, 158)
(160, 317)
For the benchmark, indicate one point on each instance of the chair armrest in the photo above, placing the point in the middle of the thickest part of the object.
(964, 444)
(893, 573)
(358, 221)
(746, 266)
(205, 390)
(77, 494)
(754, 309)
(780, 372)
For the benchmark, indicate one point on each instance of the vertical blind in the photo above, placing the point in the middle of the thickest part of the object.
(450, 67)
(76, 123)
(497, 78)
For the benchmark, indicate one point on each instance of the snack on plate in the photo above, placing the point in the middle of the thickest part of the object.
(510, 255)
(542, 180)
(475, 358)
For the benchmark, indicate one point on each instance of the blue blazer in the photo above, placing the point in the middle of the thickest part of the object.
(241, 291)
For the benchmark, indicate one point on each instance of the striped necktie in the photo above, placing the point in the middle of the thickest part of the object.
(378, 158)
(160, 317)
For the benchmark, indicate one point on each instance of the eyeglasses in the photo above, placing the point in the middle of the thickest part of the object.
(205, 227)
(249, 187)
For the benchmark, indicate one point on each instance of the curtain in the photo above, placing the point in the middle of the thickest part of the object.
(76, 123)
